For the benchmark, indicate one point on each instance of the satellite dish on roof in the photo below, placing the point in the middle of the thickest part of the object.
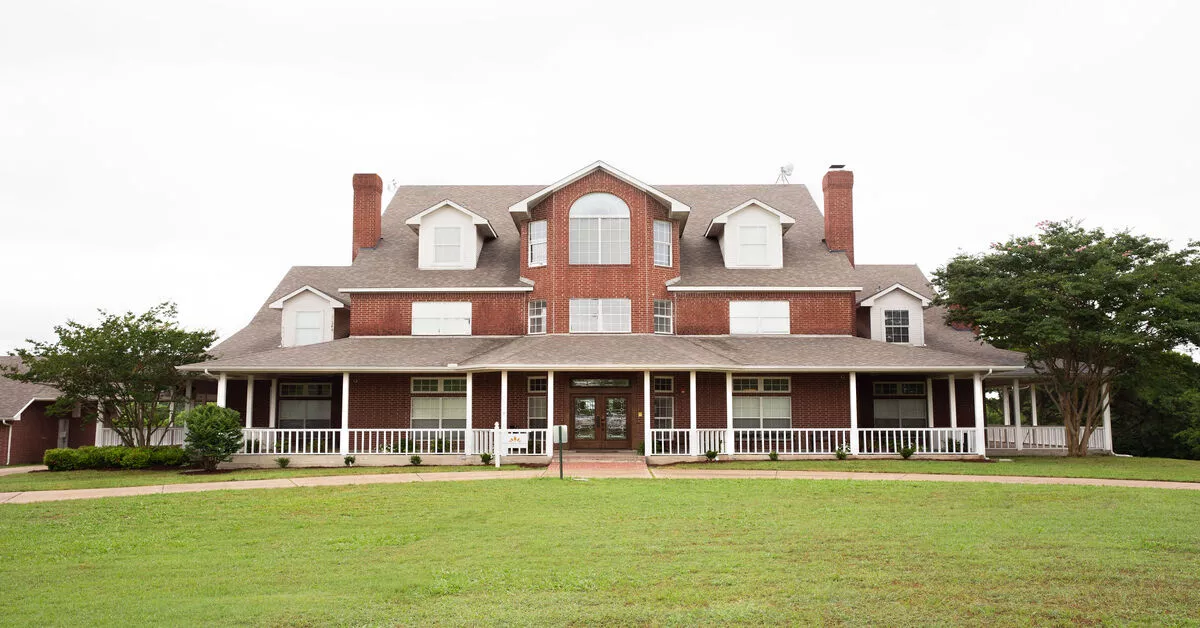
(785, 171)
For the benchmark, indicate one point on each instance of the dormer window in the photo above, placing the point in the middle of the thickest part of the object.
(537, 243)
(599, 230)
(447, 246)
(307, 316)
(897, 315)
(895, 325)
(308, 328)
(752, 242)
(751, 235)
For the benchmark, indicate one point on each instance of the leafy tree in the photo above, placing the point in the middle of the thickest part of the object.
(1085, 307)
(126, 364)
(1156, 409)
(214, 434)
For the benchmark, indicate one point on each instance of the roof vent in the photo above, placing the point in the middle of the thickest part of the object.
(836, 166)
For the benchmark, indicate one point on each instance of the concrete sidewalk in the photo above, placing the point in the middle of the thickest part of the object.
(582, 471)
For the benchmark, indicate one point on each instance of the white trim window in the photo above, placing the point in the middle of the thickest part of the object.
(439, 413)
(899, 389)
(662, 243)
(537, 384)
(537, 413)
(664, 384)
(305, 406)
(752, 245)
(759, 317)
(600, 316)
(901, 413)
(447, 246)
(664, 316)
(438, 385)
(537, 243)
(895, 326)
(599, 230)
(441, 318)
(762, 384)
(309, 328)
(664, 413)
(762, 412)
(537, 316)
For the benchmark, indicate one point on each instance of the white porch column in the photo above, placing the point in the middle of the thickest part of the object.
(99, 425)
(1004, 402)
(187, 394)
(1033, 404)
(693, 435)
(646, 409)
(468, 435)
(853, 413)
(222, 390)
(1108, 443)
(929, 400)
(1016, 388)
(550, 414)
(249, 401)
(273, 403)
(980, 432)
(345, 435)
(729, 413)
(953, 402)
(504, 401)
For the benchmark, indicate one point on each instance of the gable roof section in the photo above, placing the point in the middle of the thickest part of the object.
(481, 224)
(16, 396)
(869, 301)
(875, 278)
(717, 224)
(278, 303)
(678, 210)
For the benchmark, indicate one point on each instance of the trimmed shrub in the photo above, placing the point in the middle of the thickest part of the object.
(136, 458)
(91, 458)
(774, 455)
(168, 456)
(283, 462)
(485, 458)
(906, 452)
(60, 459)
(214, 434)
(415, 460)
(349, 460)
(711, 455)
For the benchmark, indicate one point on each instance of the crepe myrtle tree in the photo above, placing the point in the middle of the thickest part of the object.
(125, 364)
(1083, 305)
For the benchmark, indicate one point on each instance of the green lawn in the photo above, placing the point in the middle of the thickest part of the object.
(621, 552)
(1090, 467)
(62, 480)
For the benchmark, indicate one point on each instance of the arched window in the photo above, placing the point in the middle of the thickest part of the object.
(599, 230)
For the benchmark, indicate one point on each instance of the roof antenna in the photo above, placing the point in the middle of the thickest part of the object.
(392, 185)
(785, 171)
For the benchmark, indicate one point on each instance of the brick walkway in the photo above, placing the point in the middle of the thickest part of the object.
(577, 469)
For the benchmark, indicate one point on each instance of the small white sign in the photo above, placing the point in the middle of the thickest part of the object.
(519, 440)
(560, 434)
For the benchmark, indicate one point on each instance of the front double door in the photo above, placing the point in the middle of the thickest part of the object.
(600, 421)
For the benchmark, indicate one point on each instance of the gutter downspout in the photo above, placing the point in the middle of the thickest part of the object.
(8, 448)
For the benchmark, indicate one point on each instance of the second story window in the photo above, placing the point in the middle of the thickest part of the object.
(664, 317)
(599, 230)
(308, 328)
(435, 318)
(447, 245)
(537, 243)
(537, 316)
(662, 243)
(600, 316)
(752, 242)
(895, 325)
(759, 317)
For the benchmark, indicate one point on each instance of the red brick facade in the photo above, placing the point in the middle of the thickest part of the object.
(368, 202)
(811, 312)
(838, 187)
(390, 313)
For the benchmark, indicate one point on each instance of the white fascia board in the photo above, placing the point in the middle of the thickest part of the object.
(17, 416)
(738, 368)
(278, 304)
(762, 289)
(717, 225)
(869, 301)
(447, 289)
(480, 222)
(520, 210)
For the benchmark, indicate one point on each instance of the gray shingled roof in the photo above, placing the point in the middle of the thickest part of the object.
(634, 351)
(14, 395)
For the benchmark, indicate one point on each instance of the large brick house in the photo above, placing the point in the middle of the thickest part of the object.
(27, 429)
(675, 318)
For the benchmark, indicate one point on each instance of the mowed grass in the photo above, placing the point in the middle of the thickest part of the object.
(64, 480)
(1113, 467)
(612, 552)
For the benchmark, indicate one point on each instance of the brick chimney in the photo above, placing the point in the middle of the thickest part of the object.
(838, 186)
(368, 199)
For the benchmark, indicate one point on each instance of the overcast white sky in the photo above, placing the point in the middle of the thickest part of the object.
(193, 152)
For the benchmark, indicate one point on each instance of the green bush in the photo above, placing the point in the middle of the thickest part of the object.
(136, 458)
(90, 458)
(283, 462)
(214, 434)
(774, 455)
(711, 455)
(485, 458)
(907, 452)
(842, 452)
(349, 460)
(60, 459)
(168, 456)
(415, 460)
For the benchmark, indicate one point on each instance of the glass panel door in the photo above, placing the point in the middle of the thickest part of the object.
(585, 419)
(615, 419)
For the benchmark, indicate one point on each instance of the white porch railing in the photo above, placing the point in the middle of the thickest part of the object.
(669, 442)
(535, 444)
(484, 441)
(790, 441)
(162, 436)
(289, 441)
(407, 441)
(925, 440)
(711, 440)
(1037, 437)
